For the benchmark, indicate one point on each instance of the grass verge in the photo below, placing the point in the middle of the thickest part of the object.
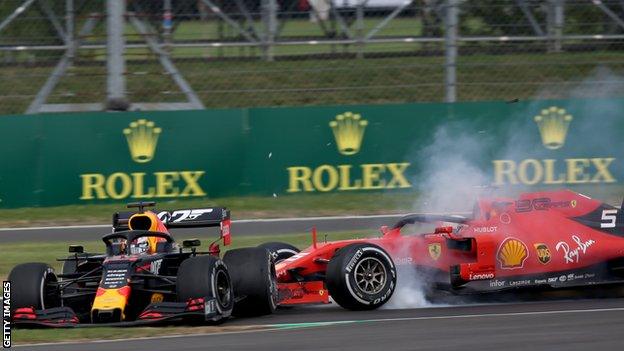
(242, 207)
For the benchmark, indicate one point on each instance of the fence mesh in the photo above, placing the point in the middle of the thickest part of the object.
(245, 53)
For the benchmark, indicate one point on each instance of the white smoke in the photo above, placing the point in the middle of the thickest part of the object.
(451, 177)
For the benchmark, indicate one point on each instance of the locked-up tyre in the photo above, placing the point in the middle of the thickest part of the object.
(34, 285)
(280, 251)
(254, 280)
(206, 276)
(361, 277)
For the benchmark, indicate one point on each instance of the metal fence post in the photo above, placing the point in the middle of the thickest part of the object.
(555, 18)
(450, 44)
(269, 17)
(115, 64)
(359, 28)
(167, 24)
(69, 26)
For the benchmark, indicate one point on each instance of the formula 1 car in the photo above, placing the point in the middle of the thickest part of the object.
(541, 240)
(145, 277)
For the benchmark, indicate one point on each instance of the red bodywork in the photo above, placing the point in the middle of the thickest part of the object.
(546, 239)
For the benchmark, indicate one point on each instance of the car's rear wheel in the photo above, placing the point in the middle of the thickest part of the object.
(280, 251)
(361, 277)
(206, 277)
(34, 285)
(254, 281)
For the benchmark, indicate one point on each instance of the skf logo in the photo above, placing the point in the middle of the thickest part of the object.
(553, 125)
(348, 131)
(543, 253)
(512, 253)
(435, 250)
(142, 136)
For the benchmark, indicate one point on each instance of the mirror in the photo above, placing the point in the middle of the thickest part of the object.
(76, 249)
(191, 243)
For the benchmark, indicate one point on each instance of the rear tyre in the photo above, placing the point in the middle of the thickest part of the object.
(280, 251)
(254, 281)
(34, 285)
(206, 276)
(361, 277)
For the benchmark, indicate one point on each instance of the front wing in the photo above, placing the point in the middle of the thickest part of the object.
(194, 310)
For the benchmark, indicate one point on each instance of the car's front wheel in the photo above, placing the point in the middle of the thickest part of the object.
(361, 277)
(206, 276)
(34, 285)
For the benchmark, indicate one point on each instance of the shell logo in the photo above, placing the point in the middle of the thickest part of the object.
(512, 253)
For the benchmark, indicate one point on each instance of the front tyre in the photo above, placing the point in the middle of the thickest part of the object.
(34, 285)
(254, 281)
(206, 276)
(361, 277)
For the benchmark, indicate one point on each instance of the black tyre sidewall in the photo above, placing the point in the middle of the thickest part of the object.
(28, 282)
(197, 278)
(341, 277)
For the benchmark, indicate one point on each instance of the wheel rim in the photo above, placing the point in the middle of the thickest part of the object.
(224, 293)
(370, 275)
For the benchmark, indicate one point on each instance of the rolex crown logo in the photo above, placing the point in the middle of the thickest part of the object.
(553, 123)
(348, 131)
(142, 136)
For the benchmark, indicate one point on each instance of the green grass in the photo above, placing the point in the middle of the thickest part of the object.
(241, 207)
(314, 81)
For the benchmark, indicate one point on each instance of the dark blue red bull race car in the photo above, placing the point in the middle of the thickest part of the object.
(146, 277)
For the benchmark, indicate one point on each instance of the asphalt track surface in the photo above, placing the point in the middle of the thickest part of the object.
(594, 324)
(239, 227)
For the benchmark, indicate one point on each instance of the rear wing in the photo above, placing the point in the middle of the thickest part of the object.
(184, 218)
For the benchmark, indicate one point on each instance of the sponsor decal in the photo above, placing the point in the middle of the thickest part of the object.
(485, 229)
(563, 278)
(540, 204)
(543, 253)
(404, 260)
(155, 266)
(481, 276)
(505, 218)
(540, 281)
(142, 137)
(354, 260)
(348, 130)
(512, 253)
(6, 314)
(572, 254)
(552, 280)
(435, 250)
(552, 124)
(157, 297)
(519, 282)
(497, 283)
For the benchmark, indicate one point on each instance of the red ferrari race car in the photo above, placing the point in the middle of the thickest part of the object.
(146, 277)
(540, 240)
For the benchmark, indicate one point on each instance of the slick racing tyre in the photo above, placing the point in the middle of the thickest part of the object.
(34, 285)
(206, 276)
(254, 280)
(361, 277)
(280, 251)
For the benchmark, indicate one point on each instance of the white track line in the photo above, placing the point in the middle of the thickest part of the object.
(287, 326)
